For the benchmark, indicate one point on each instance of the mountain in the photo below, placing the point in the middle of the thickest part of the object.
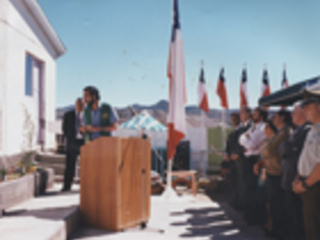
(161, 105)
(190, 110)
(158, 110)
(61, 111)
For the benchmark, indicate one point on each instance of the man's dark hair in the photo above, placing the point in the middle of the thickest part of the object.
(93, 91)
(269, 122)
(236, 118)
(286, 116)
(262, 112)
(247, 109)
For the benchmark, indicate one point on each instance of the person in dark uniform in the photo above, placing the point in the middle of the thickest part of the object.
(290, 152)
(72, 122)
(238, 156)
(231, 178)
(308, 183)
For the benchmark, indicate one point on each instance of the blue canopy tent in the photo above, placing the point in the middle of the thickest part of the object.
(144, 121)
(292, 94)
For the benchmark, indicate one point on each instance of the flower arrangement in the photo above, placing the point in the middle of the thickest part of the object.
(3, 174)
(27, 162)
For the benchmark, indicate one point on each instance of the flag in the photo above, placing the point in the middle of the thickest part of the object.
(243, 89)
(265, 89)
(202, 93)
(177, 86)
(221, 90)
(284, 83)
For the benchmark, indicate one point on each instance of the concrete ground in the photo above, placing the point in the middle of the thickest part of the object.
(41, 218)
(189, 218)
(46, 218)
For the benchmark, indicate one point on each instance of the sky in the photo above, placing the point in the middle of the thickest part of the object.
(122, 46)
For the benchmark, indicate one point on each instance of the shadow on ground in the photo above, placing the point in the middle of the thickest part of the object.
(85, 232)
(217, 223)
(43, 213)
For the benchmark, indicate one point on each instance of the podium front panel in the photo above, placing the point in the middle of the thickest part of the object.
(115, 182)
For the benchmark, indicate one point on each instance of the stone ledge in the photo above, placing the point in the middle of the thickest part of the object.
(52, 217)
(16, 191)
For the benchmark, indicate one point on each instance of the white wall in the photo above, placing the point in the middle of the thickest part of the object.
(198, 137)
(3, 54)
(22, 34)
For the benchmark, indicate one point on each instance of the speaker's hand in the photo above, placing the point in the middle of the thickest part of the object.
(83, 129)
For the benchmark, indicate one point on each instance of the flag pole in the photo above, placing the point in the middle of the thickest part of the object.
(204, 173)
(223, 124)
(223, 134)
(177, 97)
(169, 193)
(204, 167)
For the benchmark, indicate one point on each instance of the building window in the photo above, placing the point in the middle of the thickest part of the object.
(28, 80)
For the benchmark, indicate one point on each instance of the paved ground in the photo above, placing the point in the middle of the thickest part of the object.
(40, 218)
(188, 218)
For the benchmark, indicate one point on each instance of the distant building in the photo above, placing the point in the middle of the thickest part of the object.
(29, 48)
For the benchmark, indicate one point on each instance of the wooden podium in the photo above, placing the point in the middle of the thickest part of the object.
(115, 182)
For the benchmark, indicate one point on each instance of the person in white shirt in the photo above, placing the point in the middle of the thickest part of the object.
(253, 138)
(252, 141)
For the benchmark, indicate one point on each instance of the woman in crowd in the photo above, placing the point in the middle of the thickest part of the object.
(259, 169)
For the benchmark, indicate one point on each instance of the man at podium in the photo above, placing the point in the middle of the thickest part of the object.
(98, 120)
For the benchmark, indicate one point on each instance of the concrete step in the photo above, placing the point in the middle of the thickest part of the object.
(51, 158)
(53, 217)
(57, 167)
(56, 162)
(59, 179)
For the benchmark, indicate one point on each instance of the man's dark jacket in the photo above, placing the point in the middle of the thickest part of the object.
(237, 148)
(232, 141)
(69, 127)
(290, 152)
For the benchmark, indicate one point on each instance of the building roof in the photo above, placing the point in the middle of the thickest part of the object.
(41, 19)
(292, 94)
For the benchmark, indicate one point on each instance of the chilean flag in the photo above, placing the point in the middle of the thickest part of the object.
(202, 93)
(265, 89)
(221, 90)
(284, 83)
(177, 86)
(243, 89)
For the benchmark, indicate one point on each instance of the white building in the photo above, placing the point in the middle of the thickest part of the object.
(28, 49)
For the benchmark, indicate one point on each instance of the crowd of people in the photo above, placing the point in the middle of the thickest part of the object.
(272, 169)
